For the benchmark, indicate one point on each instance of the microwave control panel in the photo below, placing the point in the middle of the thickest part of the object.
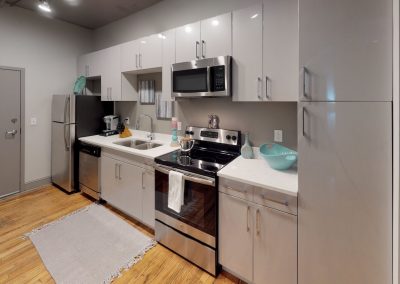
(217, 78)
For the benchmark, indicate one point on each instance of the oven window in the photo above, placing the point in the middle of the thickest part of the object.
(190, 81)
(200, 204)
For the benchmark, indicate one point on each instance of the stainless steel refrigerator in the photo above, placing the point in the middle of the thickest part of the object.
(345, 142)
(73, 117)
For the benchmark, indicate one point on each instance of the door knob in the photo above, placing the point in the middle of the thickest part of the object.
(12, 132)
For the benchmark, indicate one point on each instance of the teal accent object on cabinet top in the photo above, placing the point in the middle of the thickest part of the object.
(278, 156)
(80, 84)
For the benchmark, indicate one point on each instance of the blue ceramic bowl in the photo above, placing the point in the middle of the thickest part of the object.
(278, 156)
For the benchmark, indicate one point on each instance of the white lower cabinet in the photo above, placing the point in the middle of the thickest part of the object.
(129, 188)
(257, 243)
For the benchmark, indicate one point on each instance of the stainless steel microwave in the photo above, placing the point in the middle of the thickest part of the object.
(210, 77)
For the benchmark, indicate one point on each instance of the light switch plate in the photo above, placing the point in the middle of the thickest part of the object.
(278, 136)
(33, 121)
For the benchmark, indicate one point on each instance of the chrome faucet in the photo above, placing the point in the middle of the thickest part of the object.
(151, 134)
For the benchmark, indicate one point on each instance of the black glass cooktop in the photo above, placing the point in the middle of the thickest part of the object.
(198, 160)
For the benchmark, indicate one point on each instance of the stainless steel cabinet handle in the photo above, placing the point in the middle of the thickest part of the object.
(248, 217)
(259, 81)
(306, 83)
(119, 171)
(197, 49)
(286, 203)
(12, 132)
(235, 189)
(267, 96)
(304, 117)
(136, 60)
(110, 93)
(258, 227)
(140, 60)
(115, 171)
(203, 48)
(143, 187)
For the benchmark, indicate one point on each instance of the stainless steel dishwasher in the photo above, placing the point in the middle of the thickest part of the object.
(89, 170)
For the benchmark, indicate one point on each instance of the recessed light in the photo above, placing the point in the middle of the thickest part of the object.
(44, 6)
(215, 23)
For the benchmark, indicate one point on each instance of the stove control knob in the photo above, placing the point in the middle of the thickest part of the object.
(191, 132)
(234, 138)
(228, 137)
(187, 132)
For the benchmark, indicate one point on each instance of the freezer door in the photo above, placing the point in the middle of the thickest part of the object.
(345, 193)
(63, 109)
(62, 170)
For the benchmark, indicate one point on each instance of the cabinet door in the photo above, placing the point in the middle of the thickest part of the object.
(122, 186)
(111, 74)
(94, 64)
(280, 50)
(130, 56)
(275, 247)
(188, 42)
(345, 185)
(216, 36)
(83, 65)
(236, 236)
(168, 57)
(346, 48)
(247, 54)
(150, 55)
(148, 216)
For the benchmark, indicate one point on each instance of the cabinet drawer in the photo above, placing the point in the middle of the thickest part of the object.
(276, 200)
(236, 189)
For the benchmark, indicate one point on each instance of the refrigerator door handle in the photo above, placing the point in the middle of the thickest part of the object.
(67, 147)
(66, 109)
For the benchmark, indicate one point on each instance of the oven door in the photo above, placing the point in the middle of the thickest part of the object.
(198, 216)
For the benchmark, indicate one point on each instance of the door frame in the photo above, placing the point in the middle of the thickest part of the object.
(22, 125)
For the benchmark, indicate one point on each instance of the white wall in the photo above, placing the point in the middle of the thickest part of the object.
(48, 50)
(162, 16)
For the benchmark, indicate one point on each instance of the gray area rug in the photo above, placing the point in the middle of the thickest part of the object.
(91, 245)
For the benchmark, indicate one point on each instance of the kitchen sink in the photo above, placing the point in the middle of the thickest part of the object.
(138, 144)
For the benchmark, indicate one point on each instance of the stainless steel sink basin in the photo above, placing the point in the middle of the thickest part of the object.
(138, 144)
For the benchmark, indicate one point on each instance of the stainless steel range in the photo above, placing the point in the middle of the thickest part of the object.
(193, 233)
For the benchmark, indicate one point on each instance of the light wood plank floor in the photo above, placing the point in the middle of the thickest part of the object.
(20, 262)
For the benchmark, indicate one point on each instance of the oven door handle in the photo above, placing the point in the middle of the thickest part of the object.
(187, 176)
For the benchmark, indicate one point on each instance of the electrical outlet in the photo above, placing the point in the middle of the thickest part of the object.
(278, 136)
(33, 121)
(127, 121)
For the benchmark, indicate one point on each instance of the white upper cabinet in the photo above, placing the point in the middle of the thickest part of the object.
(247, 54)
(346, 50)
(150, 55)
(89, 65)
(280, 50)
(216, 36)
(168, 58)
(188, 42)
(111, 74)
(129, 56)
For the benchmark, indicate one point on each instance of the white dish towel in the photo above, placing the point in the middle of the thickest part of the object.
(176, 191)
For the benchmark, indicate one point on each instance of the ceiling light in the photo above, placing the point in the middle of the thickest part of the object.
(254, 16)
(44, 6)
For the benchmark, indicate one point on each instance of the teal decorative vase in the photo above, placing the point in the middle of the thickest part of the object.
(247, 150)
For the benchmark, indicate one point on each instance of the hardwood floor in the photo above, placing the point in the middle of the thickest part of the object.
(20, 262)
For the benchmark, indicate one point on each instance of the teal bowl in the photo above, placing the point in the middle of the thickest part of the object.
(277, 156)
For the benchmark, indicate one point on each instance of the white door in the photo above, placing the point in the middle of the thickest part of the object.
(247, 54)
(275, 247)
(346, 47)
(10, 127)
(129, 56)
(216, 36)
(236, 236)
(345, 185)
(280, 50)
(148, 216)
(168, 58)
(188, 42)
(150, 55)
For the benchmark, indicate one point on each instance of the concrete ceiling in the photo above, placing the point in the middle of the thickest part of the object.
(90, 14)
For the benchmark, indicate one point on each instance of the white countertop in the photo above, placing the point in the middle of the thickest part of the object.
(257, 172)
(108, 142)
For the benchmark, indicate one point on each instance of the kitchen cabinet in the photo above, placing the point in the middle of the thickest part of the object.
(111, 74)
(168, 58)
(280, 50)
(247, 54)
(345, 50)
(148, 193)
(207, 38)
(257, 243)
(144, 53)
(121, 185)
(89, 65)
